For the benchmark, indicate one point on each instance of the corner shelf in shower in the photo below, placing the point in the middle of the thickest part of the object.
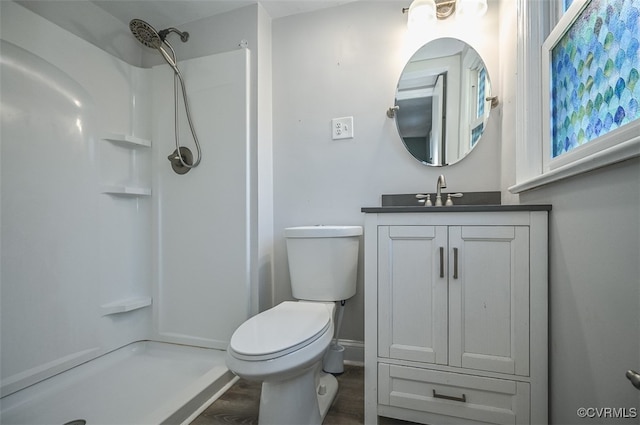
(123, 306)
(123, 190)
(127, 140)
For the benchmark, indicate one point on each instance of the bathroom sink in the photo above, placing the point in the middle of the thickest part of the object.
(468, 198)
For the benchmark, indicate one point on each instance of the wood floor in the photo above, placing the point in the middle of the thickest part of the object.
(240, 404)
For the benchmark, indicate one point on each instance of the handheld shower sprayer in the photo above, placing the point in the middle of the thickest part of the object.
(181, 159)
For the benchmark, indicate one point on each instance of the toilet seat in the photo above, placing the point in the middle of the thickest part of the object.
(283, 329)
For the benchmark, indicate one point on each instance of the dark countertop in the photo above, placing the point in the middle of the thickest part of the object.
(469, 198)
(457, 208)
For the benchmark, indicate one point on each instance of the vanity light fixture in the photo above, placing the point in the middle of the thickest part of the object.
(423, 11)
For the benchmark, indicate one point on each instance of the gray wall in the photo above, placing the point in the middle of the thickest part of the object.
(346, 61)
(594, 292)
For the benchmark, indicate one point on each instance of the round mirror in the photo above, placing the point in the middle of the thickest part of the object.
(442, 102)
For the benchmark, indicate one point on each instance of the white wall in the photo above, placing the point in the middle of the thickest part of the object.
(346, 61)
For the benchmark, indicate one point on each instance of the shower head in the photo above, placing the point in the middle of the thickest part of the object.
(181, 159)
(148, 36)
(145, 33)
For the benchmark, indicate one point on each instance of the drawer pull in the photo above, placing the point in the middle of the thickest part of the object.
(462, 399)
(441, 261)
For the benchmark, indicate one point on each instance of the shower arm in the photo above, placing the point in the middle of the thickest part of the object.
(184, 36)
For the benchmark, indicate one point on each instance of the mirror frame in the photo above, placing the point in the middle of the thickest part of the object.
(437, 71)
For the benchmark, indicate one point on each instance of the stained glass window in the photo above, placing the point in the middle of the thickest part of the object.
(482, 78)
(566, 4)
(476, 133)
(594, 74)
(476, 130)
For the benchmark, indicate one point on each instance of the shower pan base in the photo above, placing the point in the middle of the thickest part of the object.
(145, 382)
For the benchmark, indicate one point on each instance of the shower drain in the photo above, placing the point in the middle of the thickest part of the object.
(76, 422)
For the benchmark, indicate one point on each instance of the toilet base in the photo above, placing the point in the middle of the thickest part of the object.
(299, 400)
(328, 385)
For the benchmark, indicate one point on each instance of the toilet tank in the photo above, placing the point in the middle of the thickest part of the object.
(323, 261)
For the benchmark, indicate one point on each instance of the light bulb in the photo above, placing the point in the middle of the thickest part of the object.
(421, 12)
(471, 7)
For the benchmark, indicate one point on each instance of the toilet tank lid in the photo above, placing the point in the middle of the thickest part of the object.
(322, 231)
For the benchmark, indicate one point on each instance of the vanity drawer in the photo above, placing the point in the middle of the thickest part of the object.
(448, 395)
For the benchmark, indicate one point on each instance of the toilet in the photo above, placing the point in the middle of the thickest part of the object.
(284, 346)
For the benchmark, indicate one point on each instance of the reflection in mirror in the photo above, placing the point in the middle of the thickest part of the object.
(443, 101)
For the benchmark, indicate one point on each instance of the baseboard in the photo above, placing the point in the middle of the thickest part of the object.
(353, 351)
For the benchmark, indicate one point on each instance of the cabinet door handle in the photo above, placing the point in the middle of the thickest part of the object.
(455, 263)
(441, 261)
(462, 399)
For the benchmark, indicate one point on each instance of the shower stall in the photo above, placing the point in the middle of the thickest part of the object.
(120, 279)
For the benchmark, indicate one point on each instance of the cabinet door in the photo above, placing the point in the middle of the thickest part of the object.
(489, 298)
(412, 293)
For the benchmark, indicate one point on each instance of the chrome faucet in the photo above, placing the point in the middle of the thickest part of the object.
(442, 182)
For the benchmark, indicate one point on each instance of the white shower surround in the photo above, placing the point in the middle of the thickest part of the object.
(201, 229)
(73, 256)
(144, 383)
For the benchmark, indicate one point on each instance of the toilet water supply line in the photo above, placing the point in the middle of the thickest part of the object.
(339, 322)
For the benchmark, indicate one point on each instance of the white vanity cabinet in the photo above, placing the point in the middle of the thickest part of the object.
(456, 314)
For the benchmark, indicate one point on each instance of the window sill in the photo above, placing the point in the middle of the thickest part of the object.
(617, 153)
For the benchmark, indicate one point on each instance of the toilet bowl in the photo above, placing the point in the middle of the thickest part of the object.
(283, 347)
